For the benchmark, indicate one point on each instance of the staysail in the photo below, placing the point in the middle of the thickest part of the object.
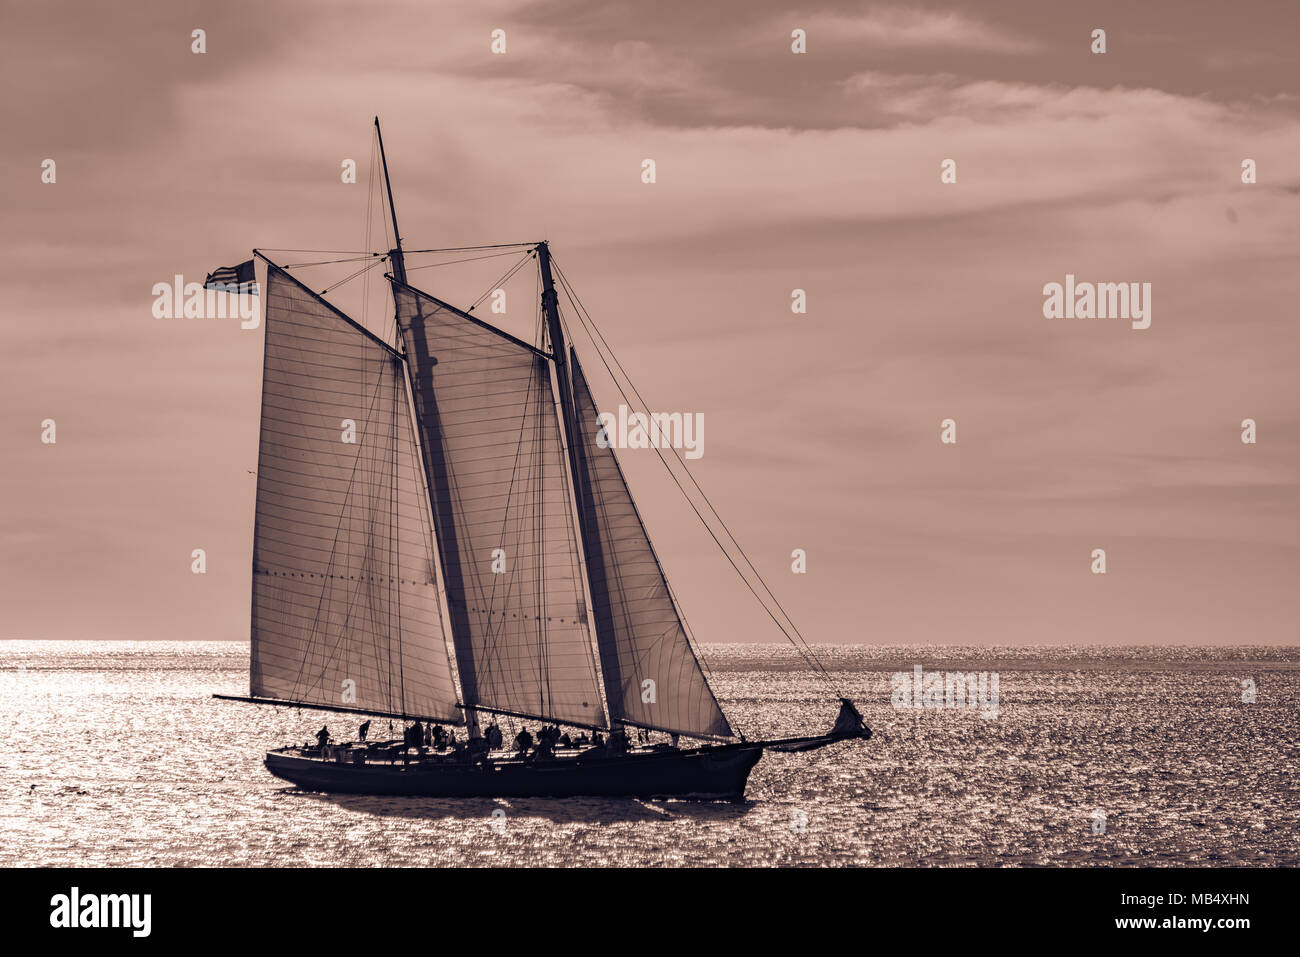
(345, 600)
(652, 676)
(503, 512)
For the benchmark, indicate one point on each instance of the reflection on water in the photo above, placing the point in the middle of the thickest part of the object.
(117, 755)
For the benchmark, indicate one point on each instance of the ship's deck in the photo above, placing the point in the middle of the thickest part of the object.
(393, 753)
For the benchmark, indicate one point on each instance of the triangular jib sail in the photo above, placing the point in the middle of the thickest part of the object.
(503, 513)
(345, 601)
(652, 676)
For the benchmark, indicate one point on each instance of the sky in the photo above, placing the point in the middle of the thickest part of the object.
(775, 171)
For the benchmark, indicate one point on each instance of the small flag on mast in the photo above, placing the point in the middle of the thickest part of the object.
(235, 279)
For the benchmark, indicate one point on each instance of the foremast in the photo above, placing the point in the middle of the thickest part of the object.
(434, 470)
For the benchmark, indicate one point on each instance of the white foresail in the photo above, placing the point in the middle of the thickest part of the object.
(652, 676)
(502, 506)
(345, 601)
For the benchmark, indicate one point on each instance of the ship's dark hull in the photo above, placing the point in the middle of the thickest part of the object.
(710, 773)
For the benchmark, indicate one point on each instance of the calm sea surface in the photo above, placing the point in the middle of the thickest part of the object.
(115, 754)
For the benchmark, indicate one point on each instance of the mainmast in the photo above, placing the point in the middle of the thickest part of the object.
(560, 350)
(591, 548)
(639, 631)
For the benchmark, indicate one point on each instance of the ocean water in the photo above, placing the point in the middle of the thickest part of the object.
(115, 754)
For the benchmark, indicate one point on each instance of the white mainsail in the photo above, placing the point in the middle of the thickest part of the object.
(503, 512)
(345, 601)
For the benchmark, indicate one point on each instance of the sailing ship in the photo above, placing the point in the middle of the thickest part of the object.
(438, 567)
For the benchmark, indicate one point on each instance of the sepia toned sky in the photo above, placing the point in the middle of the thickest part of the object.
(775, 171)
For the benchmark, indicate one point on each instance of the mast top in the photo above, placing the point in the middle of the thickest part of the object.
(394, 254)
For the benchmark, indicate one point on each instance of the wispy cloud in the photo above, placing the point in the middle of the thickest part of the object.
(906, 28)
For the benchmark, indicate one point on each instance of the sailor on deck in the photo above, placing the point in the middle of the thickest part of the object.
(545, 750)
(323, 741)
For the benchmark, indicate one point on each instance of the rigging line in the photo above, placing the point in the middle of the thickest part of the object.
(372, 518)
(349, 252)
(365, 590)
(799, 769)
(372, 595)
(550, 397)
(537, 298)
(589, 327)
(515, 519)
(609, 548)
(544, 396)
(677, 610)
(375, 201)
(464, 249)
(534, 428)
(389, 297)
(394, 572)
(426, 552)
(331, 262)
(580, 562)
(361, 271)
(501, 634)
(502, 280)
(492, 636)
(806, 652)
(390, 310)
(609, 553)
(573, 512)
(505, 278)
(382, 218)
(369, 217)
(538, 475)
(395, 535)
(453, 262)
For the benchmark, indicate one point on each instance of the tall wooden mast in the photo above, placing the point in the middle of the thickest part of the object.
(592, 553)
(433, 466)
(560, 350)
